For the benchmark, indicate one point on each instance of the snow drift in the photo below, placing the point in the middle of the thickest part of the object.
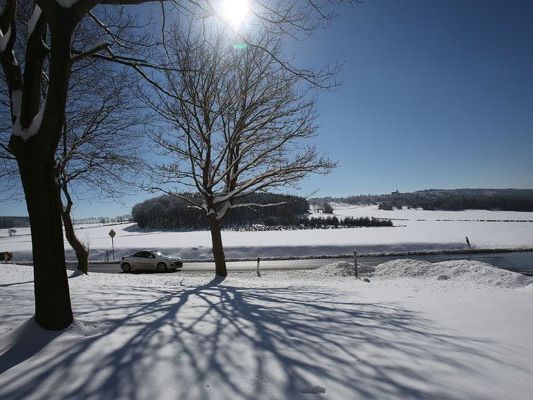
(341, 268)
(457, 270)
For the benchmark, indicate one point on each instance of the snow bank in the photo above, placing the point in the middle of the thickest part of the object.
(341, 268)
(459, 270)
(11, 273)
(474, 272)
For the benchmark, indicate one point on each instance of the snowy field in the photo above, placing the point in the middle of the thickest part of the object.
(454, 330)
(345, 210)
(414, 230)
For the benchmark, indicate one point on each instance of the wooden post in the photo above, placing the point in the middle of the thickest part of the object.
(355, 264)
(258, 273)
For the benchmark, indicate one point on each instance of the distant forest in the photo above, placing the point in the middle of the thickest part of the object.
(170, 212)
(440, 199)
(14, 222)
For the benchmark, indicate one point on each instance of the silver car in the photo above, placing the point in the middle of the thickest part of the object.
(150, 260)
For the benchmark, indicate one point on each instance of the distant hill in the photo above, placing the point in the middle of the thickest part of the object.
(445, 199)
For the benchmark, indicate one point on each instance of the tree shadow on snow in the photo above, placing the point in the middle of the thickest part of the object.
(249, 343)
(28, 340)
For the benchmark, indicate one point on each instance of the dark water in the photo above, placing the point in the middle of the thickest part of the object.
(519, 261)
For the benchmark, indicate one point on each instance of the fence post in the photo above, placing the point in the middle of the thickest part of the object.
(258, 273)
(355, 264)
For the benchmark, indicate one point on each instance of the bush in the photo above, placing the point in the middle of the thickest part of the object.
(328, 209)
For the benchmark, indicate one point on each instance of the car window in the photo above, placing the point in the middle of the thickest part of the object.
(139, 254)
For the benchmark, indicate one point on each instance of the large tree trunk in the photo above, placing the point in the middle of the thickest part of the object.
(52, 298)
(82, 253)
(218, 249)
(35, 157)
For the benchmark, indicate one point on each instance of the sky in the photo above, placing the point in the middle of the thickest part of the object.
(434, 94)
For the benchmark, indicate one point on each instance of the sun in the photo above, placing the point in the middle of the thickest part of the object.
(235, 11)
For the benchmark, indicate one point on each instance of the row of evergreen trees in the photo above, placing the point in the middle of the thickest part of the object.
(348, 222)
(318, 223)
(14, 222)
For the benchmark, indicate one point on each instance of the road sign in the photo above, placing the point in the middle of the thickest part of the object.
(112, 233)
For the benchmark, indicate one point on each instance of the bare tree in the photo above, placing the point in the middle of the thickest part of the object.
(36, 69)
(98, 153)
(239, 124)
(9, 175)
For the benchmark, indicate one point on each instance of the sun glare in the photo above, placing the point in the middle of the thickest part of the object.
(235, 11)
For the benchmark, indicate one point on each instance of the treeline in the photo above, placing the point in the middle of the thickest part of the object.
(452, 200)
(347, 222)
(103, 220)
(319, 223)
(170, 212)
(14, 222)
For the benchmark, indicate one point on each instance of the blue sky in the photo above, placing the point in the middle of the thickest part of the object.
(435, 94)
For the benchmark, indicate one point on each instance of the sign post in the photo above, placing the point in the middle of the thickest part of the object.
(355, 264)
(112, 234)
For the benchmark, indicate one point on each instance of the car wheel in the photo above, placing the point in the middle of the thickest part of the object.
(161, 267)
(126, 267)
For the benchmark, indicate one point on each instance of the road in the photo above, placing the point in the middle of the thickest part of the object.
(232, 266)
(517, 261)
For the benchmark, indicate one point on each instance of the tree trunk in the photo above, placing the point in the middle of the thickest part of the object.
(218, 249)
(35, 155)
(82, 253)
(52, 299)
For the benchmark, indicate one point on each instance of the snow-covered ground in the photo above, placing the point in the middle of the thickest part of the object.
(458, 330)
(414, 230)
